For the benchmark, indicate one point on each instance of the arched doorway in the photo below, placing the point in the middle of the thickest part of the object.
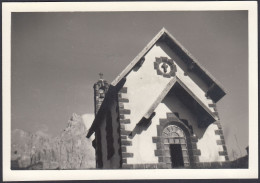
(175, 145)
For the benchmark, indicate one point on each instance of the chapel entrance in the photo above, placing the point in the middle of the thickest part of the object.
(175, 146)
(176, 155)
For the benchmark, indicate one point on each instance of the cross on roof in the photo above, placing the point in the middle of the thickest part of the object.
(101, 75)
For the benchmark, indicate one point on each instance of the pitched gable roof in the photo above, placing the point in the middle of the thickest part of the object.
(166, 90)
(216, 90)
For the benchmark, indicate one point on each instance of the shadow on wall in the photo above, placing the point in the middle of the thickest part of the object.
(183, 113)
(143, 125)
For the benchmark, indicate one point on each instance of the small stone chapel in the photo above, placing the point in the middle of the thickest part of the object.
(160, 112)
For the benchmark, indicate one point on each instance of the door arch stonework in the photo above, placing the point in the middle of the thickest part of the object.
(174, 136)
(162, 152)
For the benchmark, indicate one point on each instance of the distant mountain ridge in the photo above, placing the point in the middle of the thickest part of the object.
(69, 150)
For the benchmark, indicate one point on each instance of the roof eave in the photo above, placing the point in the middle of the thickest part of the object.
(194, 59)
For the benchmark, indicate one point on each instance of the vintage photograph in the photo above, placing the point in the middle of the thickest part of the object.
(98, 90)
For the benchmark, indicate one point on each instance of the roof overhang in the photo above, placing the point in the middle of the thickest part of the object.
(189, 98)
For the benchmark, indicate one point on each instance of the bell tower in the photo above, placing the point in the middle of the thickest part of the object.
(100, 89)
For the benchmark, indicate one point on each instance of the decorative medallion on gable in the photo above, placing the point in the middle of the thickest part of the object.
(165, 67)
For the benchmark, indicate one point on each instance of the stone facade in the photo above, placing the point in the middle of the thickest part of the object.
(160, 112)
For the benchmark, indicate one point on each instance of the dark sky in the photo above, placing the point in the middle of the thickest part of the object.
(56, 58)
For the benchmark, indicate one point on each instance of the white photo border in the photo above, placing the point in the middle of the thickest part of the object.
(26, 175)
